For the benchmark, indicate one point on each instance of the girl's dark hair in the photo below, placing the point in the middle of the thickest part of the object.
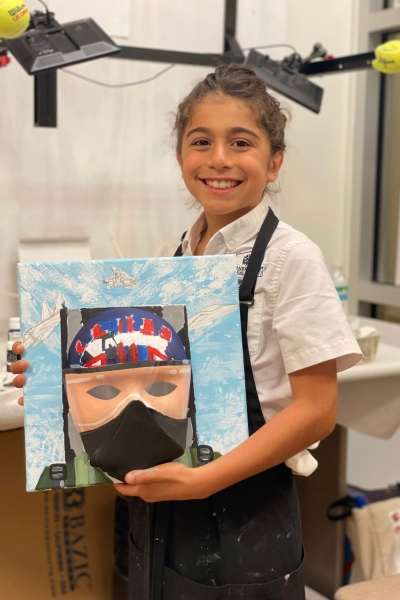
(240, 82)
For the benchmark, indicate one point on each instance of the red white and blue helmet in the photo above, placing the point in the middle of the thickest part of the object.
(123, 335)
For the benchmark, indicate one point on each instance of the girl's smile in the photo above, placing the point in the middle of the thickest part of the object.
(226, 158)
(221, 186)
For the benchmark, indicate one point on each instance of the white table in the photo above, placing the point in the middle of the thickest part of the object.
(369, 394)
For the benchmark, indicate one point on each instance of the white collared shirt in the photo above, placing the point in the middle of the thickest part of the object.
(297, 319)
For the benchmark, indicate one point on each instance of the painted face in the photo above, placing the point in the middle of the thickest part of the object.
(96, 396)
(226, 157)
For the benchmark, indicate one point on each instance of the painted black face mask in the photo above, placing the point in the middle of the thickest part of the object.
(138, 438)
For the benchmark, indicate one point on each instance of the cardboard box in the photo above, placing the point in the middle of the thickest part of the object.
(55, 544)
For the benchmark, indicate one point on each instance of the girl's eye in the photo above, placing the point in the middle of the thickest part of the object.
(201, 143)
(242, 143)
(104, 392)
(160, 388)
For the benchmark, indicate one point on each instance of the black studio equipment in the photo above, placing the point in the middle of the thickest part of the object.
(47, 46)
(285, 78)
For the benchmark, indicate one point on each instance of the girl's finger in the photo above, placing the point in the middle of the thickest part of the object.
(19, 366)
(21, 401)
(127, 490)
(142, 476)
(19, 381)
(18, 348)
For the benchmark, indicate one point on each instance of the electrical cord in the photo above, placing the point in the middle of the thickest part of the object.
(119, 85)
(45, 5)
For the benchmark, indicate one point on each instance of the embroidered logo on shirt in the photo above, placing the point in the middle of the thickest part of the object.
(242, 260)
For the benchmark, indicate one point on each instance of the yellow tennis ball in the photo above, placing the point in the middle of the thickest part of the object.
(14, 18)
(387, 57)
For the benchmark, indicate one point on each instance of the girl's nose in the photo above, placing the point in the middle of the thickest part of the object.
(219, 158)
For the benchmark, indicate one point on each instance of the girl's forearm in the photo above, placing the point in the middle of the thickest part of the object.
(295, 428)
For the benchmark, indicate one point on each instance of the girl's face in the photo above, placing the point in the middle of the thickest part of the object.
(226, 157)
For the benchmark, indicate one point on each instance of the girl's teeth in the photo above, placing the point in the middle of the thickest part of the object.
(221, 184)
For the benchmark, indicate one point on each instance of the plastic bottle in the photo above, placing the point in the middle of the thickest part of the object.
(340, 282)
(14, 331)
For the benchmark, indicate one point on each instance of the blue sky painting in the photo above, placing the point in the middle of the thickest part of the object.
(206, 285)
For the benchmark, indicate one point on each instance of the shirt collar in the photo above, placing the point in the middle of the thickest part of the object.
(227, 239)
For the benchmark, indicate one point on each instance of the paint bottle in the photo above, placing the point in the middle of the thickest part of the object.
(14, 331)
(11, 356)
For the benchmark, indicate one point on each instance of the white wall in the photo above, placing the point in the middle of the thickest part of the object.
(316, 181)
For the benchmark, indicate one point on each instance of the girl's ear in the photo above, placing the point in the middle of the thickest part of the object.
(275, 165)
(179, 159)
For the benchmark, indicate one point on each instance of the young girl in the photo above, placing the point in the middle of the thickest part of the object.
(233, 526)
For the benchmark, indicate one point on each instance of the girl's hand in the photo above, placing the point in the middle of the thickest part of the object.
(171, 481)
(18, 368)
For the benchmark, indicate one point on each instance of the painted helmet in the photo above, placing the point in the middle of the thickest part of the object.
(122, 335)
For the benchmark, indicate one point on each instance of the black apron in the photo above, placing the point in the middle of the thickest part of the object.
(242, 542)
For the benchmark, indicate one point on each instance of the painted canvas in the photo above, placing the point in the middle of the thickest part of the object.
(132, 363)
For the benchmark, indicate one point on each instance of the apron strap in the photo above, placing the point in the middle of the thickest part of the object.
(255, 416)
(179, 251)
(246, 290)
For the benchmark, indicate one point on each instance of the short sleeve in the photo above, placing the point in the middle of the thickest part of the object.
(308, 318)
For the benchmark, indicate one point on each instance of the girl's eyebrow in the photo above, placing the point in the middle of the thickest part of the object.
(198, 130)
(232, 130)
(244, 130)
